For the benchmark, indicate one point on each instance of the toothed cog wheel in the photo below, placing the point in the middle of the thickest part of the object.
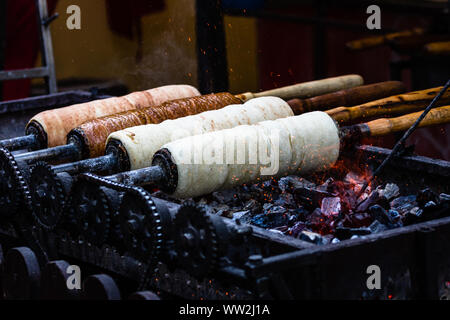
(141, 224)
(196, 240)
(14, 191)
(48, 194)
(91, 211)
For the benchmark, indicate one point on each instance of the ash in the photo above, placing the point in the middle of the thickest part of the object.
(329, 212)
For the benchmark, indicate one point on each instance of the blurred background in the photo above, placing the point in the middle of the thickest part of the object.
(235, 45)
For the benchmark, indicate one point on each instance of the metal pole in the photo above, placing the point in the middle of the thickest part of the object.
(46, 46)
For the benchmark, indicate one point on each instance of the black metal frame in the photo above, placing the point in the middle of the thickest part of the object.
(15, 114)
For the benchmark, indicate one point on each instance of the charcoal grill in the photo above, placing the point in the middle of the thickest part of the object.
(413, 260)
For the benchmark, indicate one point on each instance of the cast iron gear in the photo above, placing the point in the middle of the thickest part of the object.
(14, 191)
(49, 196)
(141, 224)
(90, 210)
(196, 240)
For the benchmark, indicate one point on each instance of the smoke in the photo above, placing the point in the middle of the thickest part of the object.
(169, 54)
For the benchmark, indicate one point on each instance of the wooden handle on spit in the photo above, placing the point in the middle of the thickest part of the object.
(308, 89)
(382, 127)
(438, 48)
(347, 97)
(395, 105)
(375, 41)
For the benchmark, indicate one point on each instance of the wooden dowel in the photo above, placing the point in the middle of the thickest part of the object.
(438, 48)
(395, 105)
(308, 89)
(347, 97)
(382, 127)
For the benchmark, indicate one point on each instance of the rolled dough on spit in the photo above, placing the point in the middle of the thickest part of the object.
(227, 158)
(142, 142)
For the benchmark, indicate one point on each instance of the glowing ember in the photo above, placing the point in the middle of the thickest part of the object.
(328, 211)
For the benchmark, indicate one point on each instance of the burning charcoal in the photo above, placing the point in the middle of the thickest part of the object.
(380, 214)
(253, 206)
(390, 191)
(331, 206)
(327, 238)
(270, 185)
(273, 209)
(426, 195)
(273, 216)
(430, 211)
(316, 217)
(320, 223)
(312, 237)
(404, 204)
(262, 220)
(346, 194)
(414, 215)
(343, 233)
(395, 216)
(286, 199)
(243, 216)
(311, 197)
(225, 197)
(296, 229)
(430, 205)
(283, 184)
(444, 197)
(335, 240)
(326, 185)
(371, 200)
(300, 213)
(293, 218)
(221, 209)
(377, 226)
(354, 178)
(358, 220)
(291, 183)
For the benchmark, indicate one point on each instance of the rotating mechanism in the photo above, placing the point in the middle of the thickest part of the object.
(115, 238)
(21, 274)
(100, 287)
(143, 224)
(197, 240)
(14, 190)
(204, 242)
(54, 282)
(48, 193)
(92, 212)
